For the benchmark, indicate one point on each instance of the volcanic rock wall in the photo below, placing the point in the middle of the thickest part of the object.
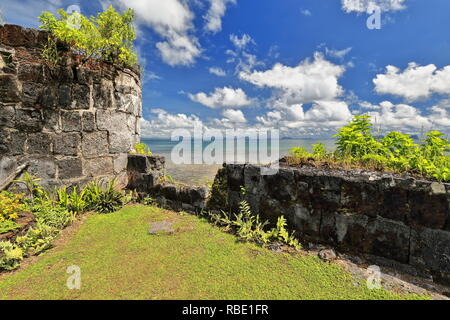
(399, 218)
(71, 121)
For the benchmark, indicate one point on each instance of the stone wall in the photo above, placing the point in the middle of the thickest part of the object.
(399, 218)
(146, 176)
(72, 121)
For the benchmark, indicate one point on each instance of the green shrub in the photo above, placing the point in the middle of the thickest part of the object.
(103, 199)
(249, 227)
(10, 206)
(73, 201)
(319, 150)
(10, 256)
(53, 215)
(7, 226)
(300, 152)
(37, 240)
(142, 148)
(355, 140)
(397, 152)
(108, 36)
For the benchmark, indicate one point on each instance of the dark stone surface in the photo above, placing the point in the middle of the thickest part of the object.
(88, 121)
(9, 88)
(95, 144)
(7, 116)
(402, 219)
(67, 144)
(69, 168)
(33, 72)
(71, 121)
(81, 96)
(17, 145)
(33, 94)
(430, 249)
(48, 99)
(65, 96)
(98, 166)
(39, 143)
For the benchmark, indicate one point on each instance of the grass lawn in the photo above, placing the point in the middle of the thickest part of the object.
(119, 259)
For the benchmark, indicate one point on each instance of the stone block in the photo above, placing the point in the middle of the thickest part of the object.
(325, 193)
(43, 167)
(17, 143)
(430, 250)
(345, 231)
(65, 96)
(170, 192)
(39, 143)
(281, 186)
(395, 204)
(95, 144)
(253, 181)
(104, 119)
(102, 166)
(10, 88)
(32, 95)
(103, 95)
(361, 197)
(67, 144)
(120, 163)
(428, 210)
(88, 121)
(389, 239)
(7, 115)
(33, 72)
(51, 119)
(4, 141)
(71, 121)
(69, 168)
(49, 98)
(81, 96)
(139, 163)
(305, 220)
(120, 142)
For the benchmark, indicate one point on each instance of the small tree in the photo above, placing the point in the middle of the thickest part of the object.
(108, 36)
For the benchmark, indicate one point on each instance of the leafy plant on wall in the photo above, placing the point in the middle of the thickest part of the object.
(108, 36)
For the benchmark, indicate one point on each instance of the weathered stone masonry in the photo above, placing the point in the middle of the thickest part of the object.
(73, 121)
(399, 218)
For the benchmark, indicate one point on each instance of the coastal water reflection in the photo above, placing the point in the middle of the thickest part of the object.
(200, 174)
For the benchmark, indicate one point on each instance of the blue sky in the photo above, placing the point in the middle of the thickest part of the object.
(302, 66)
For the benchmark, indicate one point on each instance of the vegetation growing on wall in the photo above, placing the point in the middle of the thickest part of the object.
(397, 152)
(108, 36)
(142, 148)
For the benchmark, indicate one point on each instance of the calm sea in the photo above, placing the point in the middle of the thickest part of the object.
(203, 173)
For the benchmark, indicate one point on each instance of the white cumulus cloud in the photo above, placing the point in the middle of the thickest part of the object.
(308, 82)
(361, 6)
(173, 21)
(217, 71)
(234, 115)
(415, 82)
(215, 14)
(222, 98)
(162, 123)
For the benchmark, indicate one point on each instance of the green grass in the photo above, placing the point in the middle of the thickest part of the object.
(120, 260)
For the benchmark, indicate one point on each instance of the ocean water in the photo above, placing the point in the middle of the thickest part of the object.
(201, 174)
